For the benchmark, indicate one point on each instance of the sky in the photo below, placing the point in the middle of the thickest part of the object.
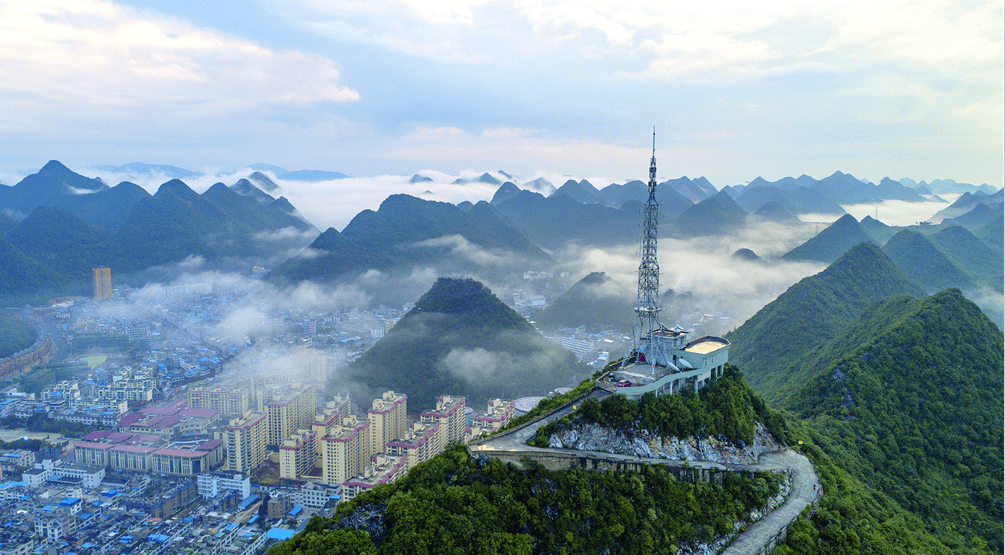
(734, 89)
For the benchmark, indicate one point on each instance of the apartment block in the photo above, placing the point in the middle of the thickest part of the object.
(230, 401)
(289, 410)
(449, 414)
(382, 469)
(387, 419)
(297, 455)
(497, 415)
(346, 450)
(330, 417)
(420, 443)
(244, 440)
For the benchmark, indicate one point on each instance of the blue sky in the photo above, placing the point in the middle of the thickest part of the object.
(735, 89)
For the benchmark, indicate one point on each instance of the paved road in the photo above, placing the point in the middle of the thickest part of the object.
(803, 489)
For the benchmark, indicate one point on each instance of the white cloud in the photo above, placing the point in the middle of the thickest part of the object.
(92, 57)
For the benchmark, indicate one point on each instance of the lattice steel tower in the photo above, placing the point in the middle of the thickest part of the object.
(646, 331)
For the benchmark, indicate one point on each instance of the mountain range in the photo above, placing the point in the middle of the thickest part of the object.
(72, 223)
(406, 231)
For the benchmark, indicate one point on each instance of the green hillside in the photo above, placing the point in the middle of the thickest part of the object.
(971, 255)
(461, 340)
(922, 263)
(458, 503)
(910, 404)
(771, 345)
(832, 242)
(876, 229)
(557, 220)
(15, 334)
(596, 301)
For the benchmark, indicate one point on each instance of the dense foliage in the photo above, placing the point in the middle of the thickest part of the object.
(725, 408)
(457, 503)
(15, 334)
(922, 263)
(914, 411)
(461, 340)
(772, 345)
(828, 245)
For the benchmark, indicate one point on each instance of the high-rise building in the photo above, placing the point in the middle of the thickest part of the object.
(420, 443)
(346, 450)
(230, 401)
(244, 440)
(289, 410)
(296, 455)
(449, 414)
(102, 283)
(311, 365)
(334, 411)
(387, 419)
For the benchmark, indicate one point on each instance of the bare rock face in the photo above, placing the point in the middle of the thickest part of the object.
(591, 437)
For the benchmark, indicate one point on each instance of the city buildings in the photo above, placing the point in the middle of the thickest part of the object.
(449, 414)
(102, 283)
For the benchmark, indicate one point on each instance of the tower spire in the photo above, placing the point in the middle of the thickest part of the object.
(646, 330)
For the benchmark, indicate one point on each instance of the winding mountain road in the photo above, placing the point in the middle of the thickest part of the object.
(804, 486)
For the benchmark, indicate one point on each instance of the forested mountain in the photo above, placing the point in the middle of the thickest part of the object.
(596, 301)
(832, 242)
(922, 263)
(770, 347)
(74, 223)
(462, 340)
(876, 229)
(406, 231)
(909, 403)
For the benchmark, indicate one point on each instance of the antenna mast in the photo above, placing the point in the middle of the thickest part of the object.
(647, 325)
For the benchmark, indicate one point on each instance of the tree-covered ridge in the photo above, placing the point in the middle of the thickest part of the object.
(772, 345)
(922, 263)
(726, 408)
(915, 412)
(15, 334)
(457, 503)
(460, 339)
(828, 245)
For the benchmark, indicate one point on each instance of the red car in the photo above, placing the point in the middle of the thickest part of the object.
(623, 383)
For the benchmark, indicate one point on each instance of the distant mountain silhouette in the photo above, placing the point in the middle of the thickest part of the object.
(152, 170)
(312, 175)
(671, 202)
(462, 340)
(832, 242)
(487, 178)
(558, 220)
(245, 188)
(419, 179)
(894, 190)
(579, 191)
(775, 212)
(716, 215)
(746, 255)
(596, 301)
(505, 191)
(405, 231)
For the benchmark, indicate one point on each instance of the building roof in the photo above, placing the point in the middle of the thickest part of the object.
(180, 453)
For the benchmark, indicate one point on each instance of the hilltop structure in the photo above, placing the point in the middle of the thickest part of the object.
(661, 360)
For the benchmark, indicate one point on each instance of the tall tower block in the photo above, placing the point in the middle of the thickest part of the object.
(102, 283)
